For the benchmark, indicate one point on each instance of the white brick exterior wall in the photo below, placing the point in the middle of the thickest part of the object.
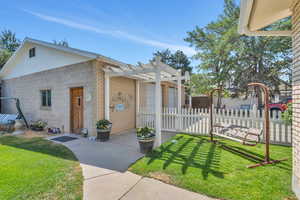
(296, 97)
(27, 89)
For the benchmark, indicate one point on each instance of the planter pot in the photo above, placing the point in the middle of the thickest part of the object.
(146, 145)
(103, 134)
(36, 128)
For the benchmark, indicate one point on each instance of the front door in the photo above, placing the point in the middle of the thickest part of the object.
(76, 109)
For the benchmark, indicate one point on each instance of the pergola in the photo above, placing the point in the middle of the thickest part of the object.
(156, 72)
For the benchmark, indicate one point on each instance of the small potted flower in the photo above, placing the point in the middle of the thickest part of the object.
(103, 129)
(38, 125)
(146, 139)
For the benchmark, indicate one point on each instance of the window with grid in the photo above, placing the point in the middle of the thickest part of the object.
(46, 98)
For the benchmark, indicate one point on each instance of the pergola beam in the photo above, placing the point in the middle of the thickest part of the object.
(131, 72)
(167, 79)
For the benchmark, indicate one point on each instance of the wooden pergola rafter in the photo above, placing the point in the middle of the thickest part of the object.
(155, 71)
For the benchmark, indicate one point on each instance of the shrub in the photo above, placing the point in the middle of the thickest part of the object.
(287, 115)
(39, 124)
(145, 132)
(103, 124)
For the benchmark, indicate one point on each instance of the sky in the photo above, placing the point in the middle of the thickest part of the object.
(128, 30)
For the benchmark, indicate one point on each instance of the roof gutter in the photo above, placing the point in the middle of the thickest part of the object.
(245, 14)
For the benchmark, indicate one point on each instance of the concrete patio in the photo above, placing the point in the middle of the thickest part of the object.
(105, 164)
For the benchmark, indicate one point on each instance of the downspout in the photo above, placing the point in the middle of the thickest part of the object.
(246, 7)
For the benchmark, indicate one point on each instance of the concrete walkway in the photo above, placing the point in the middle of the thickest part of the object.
(105, 164)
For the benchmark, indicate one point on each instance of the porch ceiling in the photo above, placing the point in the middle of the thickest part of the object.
(266, 12)
(257, 14)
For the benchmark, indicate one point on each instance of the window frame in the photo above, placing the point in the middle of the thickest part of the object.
(32, 52)
(48, 99)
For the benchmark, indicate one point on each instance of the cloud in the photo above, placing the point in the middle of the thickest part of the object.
(115, 33)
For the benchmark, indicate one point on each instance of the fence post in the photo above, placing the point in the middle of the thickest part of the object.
(253, 116)
(178, 116)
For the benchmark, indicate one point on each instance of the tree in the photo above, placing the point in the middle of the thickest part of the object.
(8, 41)
(214, 44)
(61, 42)
(264, 59)
(235, 60)
(4, 56)
(200, 84)
(287, 115)
(177, 60)
(8, 44)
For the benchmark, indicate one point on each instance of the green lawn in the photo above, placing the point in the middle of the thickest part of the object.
(38, 169)
(200, 166)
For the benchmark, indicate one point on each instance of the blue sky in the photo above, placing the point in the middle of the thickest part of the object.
(129, 31)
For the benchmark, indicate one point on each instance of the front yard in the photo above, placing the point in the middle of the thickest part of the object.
(35, 168)
(193, 163)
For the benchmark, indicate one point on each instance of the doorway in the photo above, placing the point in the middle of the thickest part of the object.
(76, 102)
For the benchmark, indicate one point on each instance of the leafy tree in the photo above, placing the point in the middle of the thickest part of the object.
(8, 41)
(4, 56)
(214, 44)
(287, 115)
(177, 60)
(200, 84)
(8, 44)
(235, 60)
(264, 59)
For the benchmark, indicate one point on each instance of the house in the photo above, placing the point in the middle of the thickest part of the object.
(257, 14)
(71, 89)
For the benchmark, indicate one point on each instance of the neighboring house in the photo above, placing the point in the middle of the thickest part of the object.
(257, 14)
(285, 91)
(201, 101)
(65, 87)
(241, 102)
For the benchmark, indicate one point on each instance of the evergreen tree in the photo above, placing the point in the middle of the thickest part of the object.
(229, 57)
(177, 60)
(8, 44)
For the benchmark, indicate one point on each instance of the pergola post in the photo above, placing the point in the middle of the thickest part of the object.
(137, 102)
(179, 122)
(179, 91)
(106, 96)
(158, 100)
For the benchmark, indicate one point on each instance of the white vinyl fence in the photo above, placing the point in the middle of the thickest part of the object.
(196, 121)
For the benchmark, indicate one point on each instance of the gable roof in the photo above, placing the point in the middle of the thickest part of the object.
(75, 51)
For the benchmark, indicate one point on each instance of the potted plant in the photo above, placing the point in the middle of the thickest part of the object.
(103, 129)
(146, 139)
(38, 125)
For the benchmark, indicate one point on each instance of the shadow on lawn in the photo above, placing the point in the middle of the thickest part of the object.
(190, 152)
(259, 157)
(38, 145)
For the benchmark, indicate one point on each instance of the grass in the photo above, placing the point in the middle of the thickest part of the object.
(195, 164)
(35, 168)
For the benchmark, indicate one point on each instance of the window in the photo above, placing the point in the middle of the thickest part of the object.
(32, 52)
(45, 98)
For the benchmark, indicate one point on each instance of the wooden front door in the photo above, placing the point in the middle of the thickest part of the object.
(76, 109)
